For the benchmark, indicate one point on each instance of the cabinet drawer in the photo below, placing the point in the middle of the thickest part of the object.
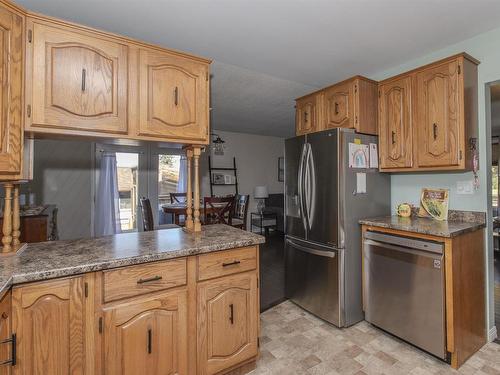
(145, 278)
(227, 262)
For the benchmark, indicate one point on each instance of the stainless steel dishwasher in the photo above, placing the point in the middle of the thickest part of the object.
(404, 291)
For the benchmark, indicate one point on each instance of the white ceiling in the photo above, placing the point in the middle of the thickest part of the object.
(267, 52)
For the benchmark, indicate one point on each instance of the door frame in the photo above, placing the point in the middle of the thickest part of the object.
(142, 173)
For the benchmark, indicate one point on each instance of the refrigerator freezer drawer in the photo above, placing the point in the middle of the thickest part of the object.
(313, 279)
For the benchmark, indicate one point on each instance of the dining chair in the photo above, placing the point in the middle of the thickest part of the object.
(218, 210)
(175, 197)
(147, 217)
(240, 211)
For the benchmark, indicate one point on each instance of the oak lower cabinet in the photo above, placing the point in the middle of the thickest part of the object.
(428, 117)
(11, 92)
(227, 322)
(79, 81)
(49, 323)
(147, 335)
(173, 97)
(8, 341)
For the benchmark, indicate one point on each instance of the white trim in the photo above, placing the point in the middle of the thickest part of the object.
(492, 334)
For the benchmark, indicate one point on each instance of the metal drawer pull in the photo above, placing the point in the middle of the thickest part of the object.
(231, 263)
(150, 339)
(435, 130)
(154, 278)
(336, 108)
(84, 79)
(12, 340)
(393, 136)
(176, 96)
(231, 313)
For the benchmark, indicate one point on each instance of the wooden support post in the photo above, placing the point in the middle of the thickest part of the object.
(16, 219)
(196, 156)
(7, 219)
(189, 196)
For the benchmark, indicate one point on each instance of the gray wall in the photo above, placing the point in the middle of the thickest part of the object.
(63, 175)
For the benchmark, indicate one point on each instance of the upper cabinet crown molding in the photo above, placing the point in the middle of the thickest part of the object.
(428, 117)
(348, 104)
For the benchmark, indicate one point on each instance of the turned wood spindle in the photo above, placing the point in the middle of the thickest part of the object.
(16, 219)
(189, 196)
(7, 219)
(196, 156)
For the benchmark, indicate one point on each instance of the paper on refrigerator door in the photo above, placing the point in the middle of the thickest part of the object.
(360, 183)
(358, 155)
(373, 155)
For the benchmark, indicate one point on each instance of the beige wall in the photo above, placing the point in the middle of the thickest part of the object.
(256, 161)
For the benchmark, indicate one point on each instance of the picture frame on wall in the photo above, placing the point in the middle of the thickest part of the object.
(281, 169)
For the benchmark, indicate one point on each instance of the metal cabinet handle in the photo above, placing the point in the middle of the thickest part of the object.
(231, 313)
(13, 341)
(393, 136)
(84, 79)
(231, 263)
(305, 116)
(154, 278)
(336, 108)
(435, 130)
(176, 95)
(150, 339)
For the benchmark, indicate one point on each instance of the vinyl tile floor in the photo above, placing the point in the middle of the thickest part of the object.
(296, 342)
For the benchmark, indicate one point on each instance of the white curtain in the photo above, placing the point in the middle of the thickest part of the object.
(107, 213)
(182, 183)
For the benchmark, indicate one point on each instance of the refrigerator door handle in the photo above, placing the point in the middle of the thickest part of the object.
(301, 186)
(322, 253)
(310, 186)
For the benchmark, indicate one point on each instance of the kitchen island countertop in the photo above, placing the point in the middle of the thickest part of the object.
(48, 260)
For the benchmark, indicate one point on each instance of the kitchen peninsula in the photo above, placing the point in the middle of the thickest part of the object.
(108, 305)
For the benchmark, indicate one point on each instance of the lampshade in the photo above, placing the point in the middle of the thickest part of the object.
(260, 192)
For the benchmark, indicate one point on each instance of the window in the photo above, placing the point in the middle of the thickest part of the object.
(168, 176)
(127, 166)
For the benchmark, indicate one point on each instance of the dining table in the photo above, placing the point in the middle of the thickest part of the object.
(178, 209)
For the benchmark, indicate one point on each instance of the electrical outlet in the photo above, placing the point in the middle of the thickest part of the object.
(465, 187)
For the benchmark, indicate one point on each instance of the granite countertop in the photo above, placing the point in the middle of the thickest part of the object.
(458, 222)
(47, 260)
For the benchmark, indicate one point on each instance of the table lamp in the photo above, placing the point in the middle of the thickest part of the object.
(260, 193)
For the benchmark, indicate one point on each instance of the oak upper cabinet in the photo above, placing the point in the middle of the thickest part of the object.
(79, 81)
(349, 104)
(307, 114)
(395, 124)
(438, 115)
(227, 322)
(11, 92)
(48, 320)
(428, 117)
(173, 97)
(147, 336)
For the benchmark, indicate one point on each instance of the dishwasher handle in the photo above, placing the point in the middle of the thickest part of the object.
(401, 249)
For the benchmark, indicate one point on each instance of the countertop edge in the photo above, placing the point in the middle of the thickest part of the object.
(19, 278)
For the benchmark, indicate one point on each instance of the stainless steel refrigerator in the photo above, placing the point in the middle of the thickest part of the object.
(324, 200)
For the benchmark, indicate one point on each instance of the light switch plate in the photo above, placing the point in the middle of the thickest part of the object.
(465, 187)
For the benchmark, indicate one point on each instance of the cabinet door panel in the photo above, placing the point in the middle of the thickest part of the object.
(306, 115)
(395, 124)
(49, 323)
(147, 336)
(79, 82)
(339, 106)
(438, 115)
(11, 101)
(227, 322)
(173, 97)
